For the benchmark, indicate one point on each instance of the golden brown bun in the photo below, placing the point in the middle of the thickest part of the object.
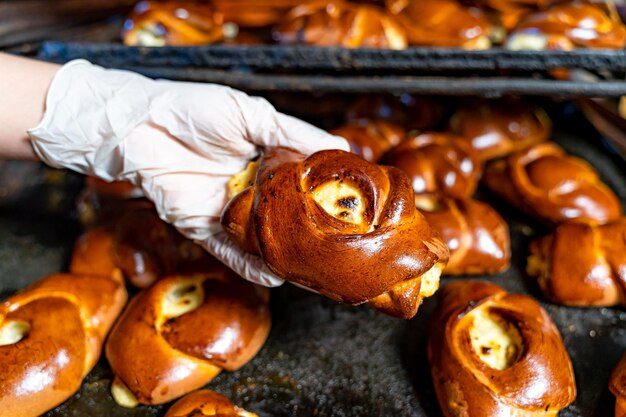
(556, 187)
(497, 128)
(256, 13)
(438, 163)
(617, 385)
(173, 23)
(338, 23)
(442, 23)
(139, 244)
(582, 265)
(478, 238)
(371, 138)
(177, 335)
(206, 403)
(497, 354)
(512, 11)
(51, 336)
(407, 110)
(584, 24)
(341, 226)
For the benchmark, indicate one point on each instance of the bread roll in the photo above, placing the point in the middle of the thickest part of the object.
(556, 187)
(582, 265)
(339, 23)
(341, 226)
(206, 403)
(51, 336)
(438, 164)
(478, 238)
(497, 354)
(371, 138)
(177, 335)
(173, 23)
(583, 24)
(442, 23)
(497, 128)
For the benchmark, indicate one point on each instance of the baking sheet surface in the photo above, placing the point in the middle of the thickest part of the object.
(322, 358)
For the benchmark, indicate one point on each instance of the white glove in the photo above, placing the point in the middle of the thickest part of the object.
(180, 142)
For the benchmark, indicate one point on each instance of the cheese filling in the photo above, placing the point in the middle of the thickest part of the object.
(12, 331)
(341, 200)
(496, 341)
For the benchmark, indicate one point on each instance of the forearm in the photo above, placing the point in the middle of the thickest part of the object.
(23, 87)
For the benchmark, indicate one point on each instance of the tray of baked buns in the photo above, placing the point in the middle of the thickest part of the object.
(425, 46)
(507, 215)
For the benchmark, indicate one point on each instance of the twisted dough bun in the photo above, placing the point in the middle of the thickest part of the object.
(582, 265)
(256, 13)
(139, 244)
(337, 23)
(438, 163)
(51, 336)
(497, 354)
(498, 128)
(173, 23)
(341, 226)
(177, 335)
(617, 385)
(478, 238)
(512, 11)
(442, 23)
(206, 403)
(555, 187)
(583, 24)
(371, 138)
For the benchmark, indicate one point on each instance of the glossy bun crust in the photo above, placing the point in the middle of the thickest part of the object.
(617, 385)
(178, 334)
(583, 24)
(338, 23)
(51, 336)
(582, 265)
(341, 226)
(497, 354)
(206, 403)
(371, 138)
(442, 23)
(256, 13)
(173, 23)
(556, 187)
(438, 163)
(498, 128)
(478, 238)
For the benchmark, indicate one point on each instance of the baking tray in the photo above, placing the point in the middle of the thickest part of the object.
(262, 68)
(322, 358)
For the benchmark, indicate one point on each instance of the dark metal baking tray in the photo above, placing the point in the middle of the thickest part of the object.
(321, 359)
(307, 58)
(444, 71)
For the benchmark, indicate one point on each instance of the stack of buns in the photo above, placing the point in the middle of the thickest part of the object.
(392, 24)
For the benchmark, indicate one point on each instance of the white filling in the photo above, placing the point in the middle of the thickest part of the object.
(243, 179)
(183, 297)
(340, 200)
(12, 331)
(122, 395)
(430, 280)
(496, 341)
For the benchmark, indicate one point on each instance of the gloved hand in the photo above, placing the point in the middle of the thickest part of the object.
(180, 142)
